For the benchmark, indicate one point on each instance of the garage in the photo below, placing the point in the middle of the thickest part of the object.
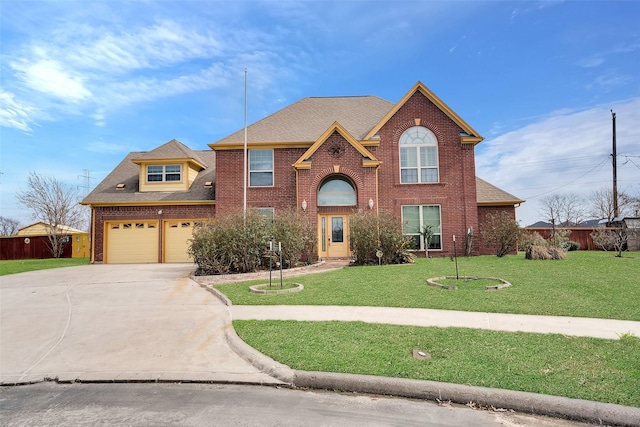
(130, 242)
(176, 240)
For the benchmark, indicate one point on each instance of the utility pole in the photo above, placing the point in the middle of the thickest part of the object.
(616, 211)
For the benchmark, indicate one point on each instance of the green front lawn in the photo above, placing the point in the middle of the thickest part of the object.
(586, 284)
(23, 265)
(574, 367)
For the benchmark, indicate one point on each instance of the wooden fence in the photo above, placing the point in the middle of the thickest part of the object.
(30, 247)
(580, 235)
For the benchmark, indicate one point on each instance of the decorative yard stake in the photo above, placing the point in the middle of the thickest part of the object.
(280, 253)
(455, 256)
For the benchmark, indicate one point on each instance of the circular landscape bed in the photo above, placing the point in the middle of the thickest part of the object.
(265, 288)
(451, 282)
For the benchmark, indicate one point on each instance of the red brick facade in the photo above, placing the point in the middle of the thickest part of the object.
(455, 192)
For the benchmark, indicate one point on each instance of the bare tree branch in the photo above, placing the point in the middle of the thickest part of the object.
(53, 203)
(8, 226)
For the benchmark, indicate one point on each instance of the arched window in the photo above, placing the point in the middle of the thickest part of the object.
(337, 191)
(418, 156)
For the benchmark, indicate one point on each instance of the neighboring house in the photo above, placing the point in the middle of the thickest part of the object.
(326, 157)
(43, 229)
(32, 242)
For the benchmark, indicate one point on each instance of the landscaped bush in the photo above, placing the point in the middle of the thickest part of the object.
(571, 246)
(557, 253)
(231, 243)
(559, 237)
(370, 233)
(297, 236)
(531, 239)
(502, 232)
(535, 252)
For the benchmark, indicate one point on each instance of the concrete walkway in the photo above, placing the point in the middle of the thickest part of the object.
(575, 326)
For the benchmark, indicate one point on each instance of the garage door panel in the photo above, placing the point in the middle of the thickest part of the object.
(132, 242)
(176, 240)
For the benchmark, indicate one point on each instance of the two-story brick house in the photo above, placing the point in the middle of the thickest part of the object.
(327, 157)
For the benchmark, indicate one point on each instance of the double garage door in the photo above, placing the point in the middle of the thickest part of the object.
(130, 242)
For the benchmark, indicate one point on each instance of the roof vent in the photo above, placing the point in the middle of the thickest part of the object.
(120, 187)
(208, 184)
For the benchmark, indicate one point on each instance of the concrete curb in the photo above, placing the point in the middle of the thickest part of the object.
(529, 403)
(262, 362)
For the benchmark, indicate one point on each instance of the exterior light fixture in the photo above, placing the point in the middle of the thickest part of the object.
(304, 205)
(370, 203)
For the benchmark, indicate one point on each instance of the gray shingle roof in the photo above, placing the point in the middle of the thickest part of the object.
(307, 119)
(127, 172)
(488, 194)
(173, 149)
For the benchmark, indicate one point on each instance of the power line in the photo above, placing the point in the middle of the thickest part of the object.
(570, 182)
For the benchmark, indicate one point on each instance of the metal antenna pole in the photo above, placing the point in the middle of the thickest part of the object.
(616, 211)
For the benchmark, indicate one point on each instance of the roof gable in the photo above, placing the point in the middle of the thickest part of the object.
(368, 159)
(470, 136)
(173, 150)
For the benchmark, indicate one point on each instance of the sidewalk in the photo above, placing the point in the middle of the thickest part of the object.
(575, 326)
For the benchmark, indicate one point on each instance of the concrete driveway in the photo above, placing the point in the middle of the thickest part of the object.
(115, 323)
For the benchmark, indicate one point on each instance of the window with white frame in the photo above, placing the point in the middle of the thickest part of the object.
(164, 173)
(260, 168)
(418, 156)
(414, 220)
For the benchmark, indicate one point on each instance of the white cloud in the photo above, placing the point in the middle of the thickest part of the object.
(566, 152)
(13, 113)
(49, 77)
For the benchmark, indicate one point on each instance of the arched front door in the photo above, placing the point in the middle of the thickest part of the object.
(334, 194)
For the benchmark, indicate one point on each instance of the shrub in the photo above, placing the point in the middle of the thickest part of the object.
(536, 252)
(297, 236)
(370, 233)
(571, 246)
(556, 253)
(559, 237)
(502, 232)
(531, 239)
(229, 243)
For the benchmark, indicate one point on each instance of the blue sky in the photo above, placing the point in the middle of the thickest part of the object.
(84, 83)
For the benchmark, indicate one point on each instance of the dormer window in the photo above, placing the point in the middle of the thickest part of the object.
(164, 173)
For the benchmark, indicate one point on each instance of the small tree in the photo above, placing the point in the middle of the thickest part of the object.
(502, 232)
(8, 226)
(55, 204)
(426, 232)
(612, 238)
(602, 205)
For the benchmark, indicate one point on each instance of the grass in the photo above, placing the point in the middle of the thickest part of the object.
(575, 367)
(24, 265)
(586, 284)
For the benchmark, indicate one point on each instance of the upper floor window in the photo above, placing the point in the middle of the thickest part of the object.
(164, 173)
(418, 156)
(336, 191)
(260, 168)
